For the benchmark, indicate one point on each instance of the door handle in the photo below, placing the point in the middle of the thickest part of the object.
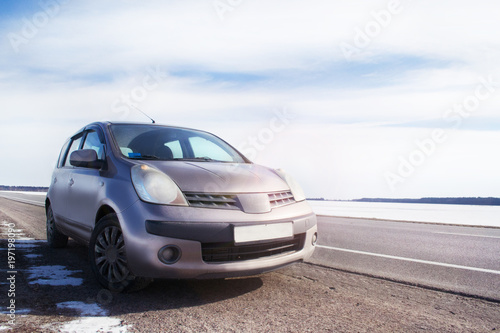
(71, 182)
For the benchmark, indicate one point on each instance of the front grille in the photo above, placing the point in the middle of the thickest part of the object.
(212, 200)
(279, 199)
(228, 252)
(230, 201)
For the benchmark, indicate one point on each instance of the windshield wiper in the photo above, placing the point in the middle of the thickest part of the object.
(197, 159)
(145, 157)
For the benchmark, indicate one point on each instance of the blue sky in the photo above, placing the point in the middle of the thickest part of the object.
(358, 124)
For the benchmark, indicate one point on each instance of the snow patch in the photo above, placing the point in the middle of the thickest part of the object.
(92, 324)
(96, 322)
(25, 245)
(53, 276)
(18, 311)
(86, 309)
(32, 256)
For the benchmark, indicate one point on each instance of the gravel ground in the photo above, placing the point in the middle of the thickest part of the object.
(55, 291)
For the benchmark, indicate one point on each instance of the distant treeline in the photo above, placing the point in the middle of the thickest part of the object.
(24, 188)
(448, 201)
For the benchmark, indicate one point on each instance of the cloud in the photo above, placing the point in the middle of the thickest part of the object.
(91, 59)
(256, 36)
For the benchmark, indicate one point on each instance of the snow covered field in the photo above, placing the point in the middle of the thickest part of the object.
(436, 213)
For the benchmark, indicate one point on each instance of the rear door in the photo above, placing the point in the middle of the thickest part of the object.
(61, 181)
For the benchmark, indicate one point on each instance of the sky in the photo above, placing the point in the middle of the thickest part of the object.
(397, 99)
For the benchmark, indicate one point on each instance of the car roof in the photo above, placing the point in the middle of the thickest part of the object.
(107, 123)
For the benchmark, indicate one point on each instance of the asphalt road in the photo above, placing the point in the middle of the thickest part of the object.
(454, 258)
(32, 199)
(56, 291)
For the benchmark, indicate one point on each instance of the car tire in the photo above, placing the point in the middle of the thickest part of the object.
(55, 238)
(108, 258)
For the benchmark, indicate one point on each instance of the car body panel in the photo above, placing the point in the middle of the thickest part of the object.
(221, 177)
(142, 246)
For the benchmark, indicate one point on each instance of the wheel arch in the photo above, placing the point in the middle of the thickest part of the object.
(47, 204)
(103, 211)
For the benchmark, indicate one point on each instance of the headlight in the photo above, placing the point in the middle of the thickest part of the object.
(156, 187)
(298, 193)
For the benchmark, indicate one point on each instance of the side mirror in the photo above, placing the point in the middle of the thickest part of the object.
(86, 158)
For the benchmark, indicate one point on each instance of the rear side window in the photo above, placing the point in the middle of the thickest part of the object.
(60, 161)
(75, 144)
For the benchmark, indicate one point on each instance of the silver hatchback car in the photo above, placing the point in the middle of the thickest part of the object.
(156, 201)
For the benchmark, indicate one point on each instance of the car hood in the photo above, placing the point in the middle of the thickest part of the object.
(216, 177)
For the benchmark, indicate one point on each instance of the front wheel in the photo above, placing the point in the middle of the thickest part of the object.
(108, 258)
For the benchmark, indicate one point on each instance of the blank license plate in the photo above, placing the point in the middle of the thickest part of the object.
(252, 233)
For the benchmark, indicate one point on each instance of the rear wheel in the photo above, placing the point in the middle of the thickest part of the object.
(55, 238)
(108, 258)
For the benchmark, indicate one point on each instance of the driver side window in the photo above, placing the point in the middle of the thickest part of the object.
(75, 144)
(92, 141)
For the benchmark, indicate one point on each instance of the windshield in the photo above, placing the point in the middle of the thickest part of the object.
(168, 143)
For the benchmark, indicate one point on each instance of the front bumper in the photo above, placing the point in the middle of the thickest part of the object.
(197, 231)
